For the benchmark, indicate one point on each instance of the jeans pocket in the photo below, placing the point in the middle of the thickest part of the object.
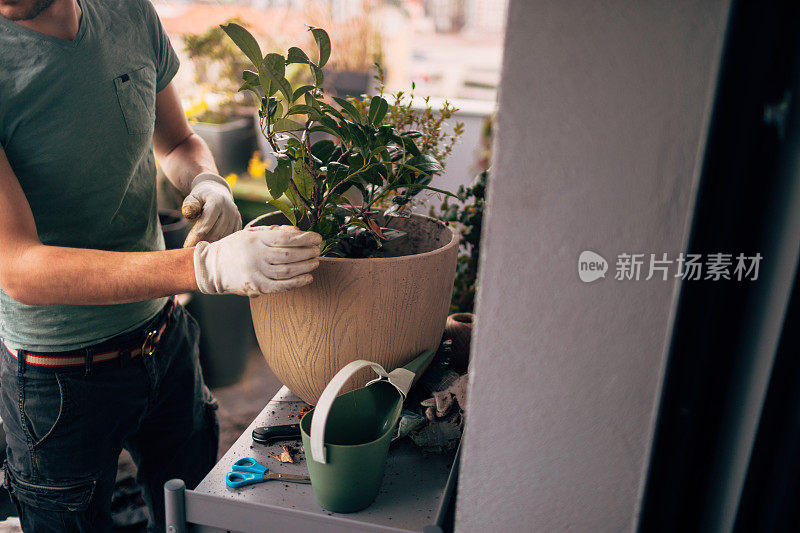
(43, 406)
(136, 93)
(69, 495)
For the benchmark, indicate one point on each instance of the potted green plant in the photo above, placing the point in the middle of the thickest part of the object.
(382, 289)
(219, 113)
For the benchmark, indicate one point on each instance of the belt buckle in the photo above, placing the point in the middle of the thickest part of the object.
(149, 345)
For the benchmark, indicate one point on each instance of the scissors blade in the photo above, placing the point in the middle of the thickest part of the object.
(291, 478)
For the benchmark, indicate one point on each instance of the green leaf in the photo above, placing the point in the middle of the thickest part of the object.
(428, 188)
(303, 180)
(286, 210)
(286, 124)
(324, 129)
(332, 110)
(380, 150)
(264, 77)
(325, 120)
(323, 150)
(426, 164)
(407, 144)
(395, 153)
(347, 185)
(319, 77)
(271, 74)
(276, 64)
(294, 148)
(348, 108)
(337, 173)
(300, 109)
(371, 175)
(300, 91)
(250, 80)
(364, 172)
(295, 55)
(356, 162)
(358, 223)
(377, 110)
(275, 110)
(313, 102)
(245, 41)
(358, 137)
(411, 134)
(247, 87)
(278, 181)
(323, 43)
(326, 227)
(338, 199)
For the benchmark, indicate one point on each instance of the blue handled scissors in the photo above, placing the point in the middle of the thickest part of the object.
(247, 471)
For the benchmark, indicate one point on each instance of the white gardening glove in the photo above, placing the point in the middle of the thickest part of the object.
(257, 260)
(210, 201)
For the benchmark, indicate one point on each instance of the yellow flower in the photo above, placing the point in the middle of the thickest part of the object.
(231, 179)
(256, 167)
(196, 109)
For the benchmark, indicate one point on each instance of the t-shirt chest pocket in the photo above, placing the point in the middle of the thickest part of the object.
(136, 93)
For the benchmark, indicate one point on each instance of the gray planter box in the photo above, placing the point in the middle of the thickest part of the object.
(174, 227)
(344, 83)
(232, 143)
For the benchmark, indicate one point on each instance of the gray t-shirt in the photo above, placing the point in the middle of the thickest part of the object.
(76, 122)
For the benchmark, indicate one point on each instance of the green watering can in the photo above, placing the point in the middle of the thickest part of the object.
(346, 466)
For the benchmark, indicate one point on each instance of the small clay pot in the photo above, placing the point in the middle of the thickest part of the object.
(458, 329)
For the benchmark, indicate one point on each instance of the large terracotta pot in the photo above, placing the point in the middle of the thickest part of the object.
(385, 310)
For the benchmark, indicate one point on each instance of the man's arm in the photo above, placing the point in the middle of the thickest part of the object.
(35, 274)
(261, 260)
(189, 165)
(182, 153)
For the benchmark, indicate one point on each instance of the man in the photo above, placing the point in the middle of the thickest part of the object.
(95, 357)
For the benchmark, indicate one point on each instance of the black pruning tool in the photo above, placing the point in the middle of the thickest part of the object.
(270, 434)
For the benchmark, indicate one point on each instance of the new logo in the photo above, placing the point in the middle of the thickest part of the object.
(591, 266)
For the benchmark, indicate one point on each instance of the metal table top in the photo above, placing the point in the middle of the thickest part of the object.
(409, 499)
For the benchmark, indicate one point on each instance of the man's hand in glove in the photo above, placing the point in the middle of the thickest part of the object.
(210, 201)
(257, 260)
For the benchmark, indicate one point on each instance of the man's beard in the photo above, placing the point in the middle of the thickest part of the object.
(35, 10)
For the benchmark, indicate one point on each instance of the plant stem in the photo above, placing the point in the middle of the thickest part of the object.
(344, 154)
(315, 189)
(269, 136)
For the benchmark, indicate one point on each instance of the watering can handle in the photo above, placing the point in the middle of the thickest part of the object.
(325, 402)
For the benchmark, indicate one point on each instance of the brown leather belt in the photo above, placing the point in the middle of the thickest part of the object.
(152, 336)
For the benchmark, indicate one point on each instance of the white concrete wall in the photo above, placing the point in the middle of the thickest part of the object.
(602, 120)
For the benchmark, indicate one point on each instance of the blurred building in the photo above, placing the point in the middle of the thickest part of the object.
(485, 16)
(467, 15)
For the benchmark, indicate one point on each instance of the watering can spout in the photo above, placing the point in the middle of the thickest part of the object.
(402, 378)
(420, 362)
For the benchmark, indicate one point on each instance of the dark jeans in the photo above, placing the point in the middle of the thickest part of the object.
(66, 428)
